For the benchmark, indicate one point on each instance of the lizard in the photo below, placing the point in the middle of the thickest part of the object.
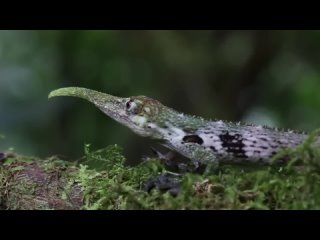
(205, 142)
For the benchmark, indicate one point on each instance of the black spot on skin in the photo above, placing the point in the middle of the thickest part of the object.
(252, 145)
(149, 126)
(192, 139)
(264, 139)
(211, 137)
(257, 151)
(233, 144)
(169, 134)
(254, 141)
(273, 153)
(263, 147)
(213, 149)
(237, 137)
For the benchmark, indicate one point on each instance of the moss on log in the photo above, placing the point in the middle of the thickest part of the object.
(39, 184)
(100, 181)
(103, 181)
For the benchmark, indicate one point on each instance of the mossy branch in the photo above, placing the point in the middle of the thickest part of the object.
(103, 181)
(32, 183)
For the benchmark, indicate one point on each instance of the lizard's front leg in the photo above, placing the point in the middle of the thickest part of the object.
(169, 160)
(172, 162)
(202, 161)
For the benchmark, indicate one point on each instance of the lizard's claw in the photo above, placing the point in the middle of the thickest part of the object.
(158, 154)
(168, 160)
(166, 157)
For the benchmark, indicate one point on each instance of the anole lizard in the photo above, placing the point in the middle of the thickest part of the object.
(204, 142)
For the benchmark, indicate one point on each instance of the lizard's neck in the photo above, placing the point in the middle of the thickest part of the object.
(171, 124)
(185, 122)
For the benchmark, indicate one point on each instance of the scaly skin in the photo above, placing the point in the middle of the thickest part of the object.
(204, 142)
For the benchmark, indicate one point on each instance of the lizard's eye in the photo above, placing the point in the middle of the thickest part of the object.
(130, 105)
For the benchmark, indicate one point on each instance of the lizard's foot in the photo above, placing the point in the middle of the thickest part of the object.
(165, 183)
(206, 167)
(168, 160)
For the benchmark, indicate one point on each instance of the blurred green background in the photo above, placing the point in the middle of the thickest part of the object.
(261, 77)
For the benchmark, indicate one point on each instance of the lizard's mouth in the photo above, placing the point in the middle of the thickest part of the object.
(119, 116)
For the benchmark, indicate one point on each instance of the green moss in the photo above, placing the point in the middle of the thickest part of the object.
(108, 183)
(274, 187)
(115, 184)
(32, 183)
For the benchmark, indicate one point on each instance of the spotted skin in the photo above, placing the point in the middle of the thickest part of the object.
(231, 144)
(203, 141)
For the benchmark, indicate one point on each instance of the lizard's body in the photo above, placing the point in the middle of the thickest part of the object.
(202, 141)
(232, 143)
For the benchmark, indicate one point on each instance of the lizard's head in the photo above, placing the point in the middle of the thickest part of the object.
(139, 113)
